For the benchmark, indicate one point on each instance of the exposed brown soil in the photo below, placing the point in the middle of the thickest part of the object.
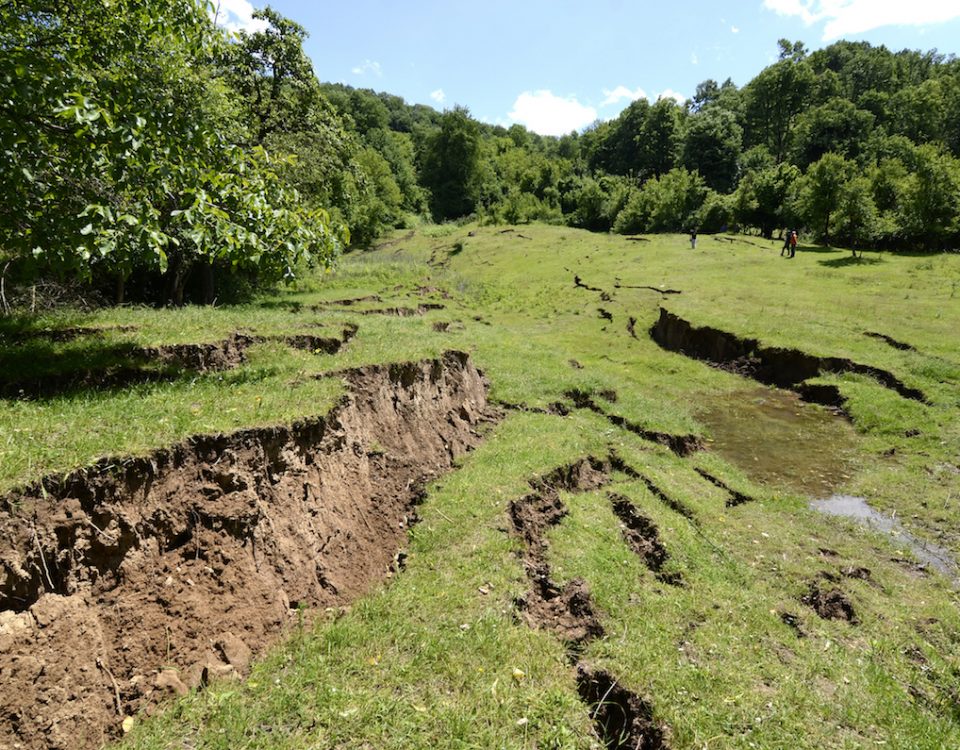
(349, 302)
(164, 363)
(441, 326)
(642, 537)
(681, 445)
(605, 314)
(736, 497)
(675, 505)
(196, 556)
(567, 611)
(622, 719)
(830, 604)
(784, 368)
(404, 312)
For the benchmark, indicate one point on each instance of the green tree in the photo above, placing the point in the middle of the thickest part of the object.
(114, 132)
(712, 147)
(773, 100)
(450, 165)
(821, 190)
(273, 74)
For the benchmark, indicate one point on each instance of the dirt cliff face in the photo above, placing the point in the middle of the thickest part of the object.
(777, 366)
(138, 578)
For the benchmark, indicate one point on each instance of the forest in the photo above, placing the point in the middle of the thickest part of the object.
(147, 153)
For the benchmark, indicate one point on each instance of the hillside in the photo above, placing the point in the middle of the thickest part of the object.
(601, 536)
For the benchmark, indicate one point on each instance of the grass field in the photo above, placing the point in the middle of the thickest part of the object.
(732, 657)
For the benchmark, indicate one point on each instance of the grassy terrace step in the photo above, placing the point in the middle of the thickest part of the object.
(719, 644)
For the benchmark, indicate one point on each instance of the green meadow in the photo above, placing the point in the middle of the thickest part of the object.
(438, 655)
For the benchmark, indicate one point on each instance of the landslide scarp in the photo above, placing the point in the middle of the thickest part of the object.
(139, 577)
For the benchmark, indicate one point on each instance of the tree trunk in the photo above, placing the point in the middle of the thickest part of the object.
(207, 282)
(120, 288)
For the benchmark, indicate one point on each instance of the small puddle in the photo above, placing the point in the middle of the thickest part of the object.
(781, 441)
(856, 508)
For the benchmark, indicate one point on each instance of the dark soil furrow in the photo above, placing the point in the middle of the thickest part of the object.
(830, 603)
(404, 312)
(621, 718)
(736, 497)
(658, 290)
(899, 345)
(153, 572)
(642, 537)
(784, 368)
(578, 283)
(681, 445)
(566, 611)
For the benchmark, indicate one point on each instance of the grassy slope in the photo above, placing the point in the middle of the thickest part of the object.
(401, 669)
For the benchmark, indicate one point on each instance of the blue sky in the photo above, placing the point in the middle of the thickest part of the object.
(556, 66)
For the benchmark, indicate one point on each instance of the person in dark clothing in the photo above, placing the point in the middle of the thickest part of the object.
(793, 243)
(693, 239)
(785, 250)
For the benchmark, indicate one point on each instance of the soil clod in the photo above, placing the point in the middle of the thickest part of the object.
(830, 604)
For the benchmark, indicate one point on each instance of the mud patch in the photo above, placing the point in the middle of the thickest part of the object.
(349, 302)
(778, 439)
(196, 556)
(605, 314)
(681, 445)
(830, 603)
(642, 537)
(623, 720)
(578, 283)
(784, 368)
(736, 497)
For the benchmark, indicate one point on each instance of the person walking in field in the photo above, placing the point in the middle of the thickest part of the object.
(785, 250)
(793, 243)
(693, 239)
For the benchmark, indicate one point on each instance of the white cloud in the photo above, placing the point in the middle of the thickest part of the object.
(671, 94)
(846, 17)
(547, 114)
(438, 96)
(734, 29)
(237, 15)
(694, 60)
(621, 93)
(368, 66)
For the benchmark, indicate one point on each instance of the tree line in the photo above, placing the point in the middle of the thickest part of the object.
(148, 149)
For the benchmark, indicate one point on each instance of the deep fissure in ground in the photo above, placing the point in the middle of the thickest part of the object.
(622, 719)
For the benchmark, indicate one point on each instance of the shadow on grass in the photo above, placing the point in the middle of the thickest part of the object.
(849, 260)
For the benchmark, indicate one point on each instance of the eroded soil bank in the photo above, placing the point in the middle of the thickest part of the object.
(784, 368)
(141, 577)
